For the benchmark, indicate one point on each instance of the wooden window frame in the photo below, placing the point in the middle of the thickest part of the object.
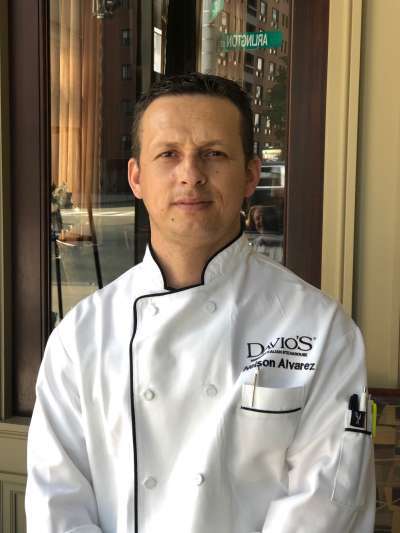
(30, 166)
(5, 226)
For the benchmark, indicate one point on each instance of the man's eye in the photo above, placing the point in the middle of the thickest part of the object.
(167, 154)
(214, 153)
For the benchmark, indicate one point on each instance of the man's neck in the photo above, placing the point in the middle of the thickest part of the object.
(182, 264)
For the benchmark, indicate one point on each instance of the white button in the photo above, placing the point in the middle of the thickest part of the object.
(211, 306)
(199, 479)
(150, 483)
(153, 309)
(211, 390)
(149, 395)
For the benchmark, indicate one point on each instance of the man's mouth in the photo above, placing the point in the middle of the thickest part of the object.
(191, 204)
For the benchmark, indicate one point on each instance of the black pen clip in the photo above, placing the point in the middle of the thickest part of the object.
(353, 402)
(357, 417)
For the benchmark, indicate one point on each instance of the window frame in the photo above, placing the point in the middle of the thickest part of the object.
(5, 226)
(29, 225)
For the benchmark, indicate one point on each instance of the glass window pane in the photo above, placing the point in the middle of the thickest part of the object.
(248, 61)
(98, 230)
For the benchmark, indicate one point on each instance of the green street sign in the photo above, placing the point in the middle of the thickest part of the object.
(251, 40)
(216, 7)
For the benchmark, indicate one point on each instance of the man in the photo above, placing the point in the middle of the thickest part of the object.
(207, 389)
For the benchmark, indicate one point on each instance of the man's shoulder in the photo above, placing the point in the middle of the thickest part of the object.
(297, 297)
(284, 278)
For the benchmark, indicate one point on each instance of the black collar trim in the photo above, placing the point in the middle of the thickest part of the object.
(202, 282)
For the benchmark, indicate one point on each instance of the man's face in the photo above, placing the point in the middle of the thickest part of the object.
(258, 218)
(192, 174)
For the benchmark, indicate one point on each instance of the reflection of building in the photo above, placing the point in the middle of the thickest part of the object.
(262, 72)
(119, 52)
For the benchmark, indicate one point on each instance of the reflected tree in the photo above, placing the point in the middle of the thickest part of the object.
(276, 100)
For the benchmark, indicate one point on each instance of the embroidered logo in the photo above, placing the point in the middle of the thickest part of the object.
(299, 345)
(260, 355)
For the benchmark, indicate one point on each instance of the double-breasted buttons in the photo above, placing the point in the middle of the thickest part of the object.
(211, 390)
(150, 483)
(211, 306)
(199, 479)
(149, 395)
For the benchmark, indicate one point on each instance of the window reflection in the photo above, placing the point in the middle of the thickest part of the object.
(96, 232)
(248, 43)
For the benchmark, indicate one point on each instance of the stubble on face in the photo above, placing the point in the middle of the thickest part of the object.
(192, 174)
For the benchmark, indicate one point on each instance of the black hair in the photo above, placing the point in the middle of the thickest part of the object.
(192, 84)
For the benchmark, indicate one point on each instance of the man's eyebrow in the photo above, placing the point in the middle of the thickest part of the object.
(214, 142)
(166, 144)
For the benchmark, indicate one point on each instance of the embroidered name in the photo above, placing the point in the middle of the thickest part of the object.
(283, 363)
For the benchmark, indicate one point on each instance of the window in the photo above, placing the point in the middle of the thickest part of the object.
(157, 57)
(126, 71)
(259, 91)
(271, 68)
(260, 63)
(248, 87)
(256, 119)
(275, 17)
(126, 37)
(256, 147)
(251, 28)
(127, 107)
(252, 7)
(107, 182)
(125, 145)
(263, 8)
(249, 59)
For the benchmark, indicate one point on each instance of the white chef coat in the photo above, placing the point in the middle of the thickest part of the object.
(147, 421)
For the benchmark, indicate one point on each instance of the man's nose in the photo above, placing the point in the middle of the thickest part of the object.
(191, 172)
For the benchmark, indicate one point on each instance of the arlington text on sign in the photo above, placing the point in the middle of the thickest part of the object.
(251, 40)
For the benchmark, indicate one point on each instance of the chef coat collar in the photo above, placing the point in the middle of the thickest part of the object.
(215, 266)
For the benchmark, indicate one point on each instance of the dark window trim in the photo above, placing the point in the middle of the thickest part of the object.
(30, 159)
(30, 170)
(181, 35)
(305, 184)
(5, 225)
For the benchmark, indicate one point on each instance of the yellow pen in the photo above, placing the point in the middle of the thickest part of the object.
(374, 417)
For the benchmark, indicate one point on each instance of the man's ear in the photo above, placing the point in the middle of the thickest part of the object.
(134, 177)
(253, 173)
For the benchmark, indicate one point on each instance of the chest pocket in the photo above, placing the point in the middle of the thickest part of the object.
(269, 416)
(263, 423)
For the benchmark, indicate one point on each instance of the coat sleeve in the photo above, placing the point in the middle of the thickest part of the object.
(59, 495)
(331, 475)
